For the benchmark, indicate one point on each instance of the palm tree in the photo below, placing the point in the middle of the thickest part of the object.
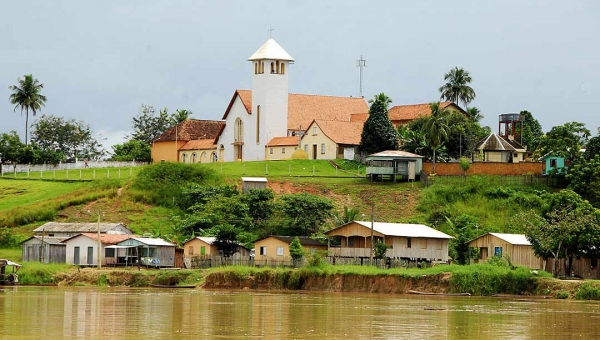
(474, 114)
(435, 129)
(179, 116)
(27, 96)
(457, 87)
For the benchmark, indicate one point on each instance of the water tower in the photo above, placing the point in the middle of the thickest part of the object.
(510, 126)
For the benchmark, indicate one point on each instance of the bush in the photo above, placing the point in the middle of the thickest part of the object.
(588, 291)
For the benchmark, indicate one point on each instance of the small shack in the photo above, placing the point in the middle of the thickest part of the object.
(249, 183)
(152, 252)
(275, 250)
(82, 249)
(515, 246)
(44, 249)
(394, 164)
(205, 246)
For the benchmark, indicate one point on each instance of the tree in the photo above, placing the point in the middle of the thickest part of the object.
(464, 229)
(296, 250)
(564, 141)
(592, 147)
(261, 206)
(147, 126)
(349, 214)
(584, 179)
(72, 138)
(532, 131)
(226, 240)
(474, 114)
(436, 128)
(305, 213)
(11, 148)
(380, 249)
(179, 116)
(378, 132)
(463, 135)
(27, 95)
(457, 87)
(131, 150)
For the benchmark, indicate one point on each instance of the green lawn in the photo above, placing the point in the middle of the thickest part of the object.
(16, 193)
(281, 169)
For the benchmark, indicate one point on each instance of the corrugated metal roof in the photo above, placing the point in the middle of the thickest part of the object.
(83, 227)
(153, 241)
(304, 240)
(516, 239)
(405, 230)
(254, 179)
(394, 154)
(48, 240)
(207, 239)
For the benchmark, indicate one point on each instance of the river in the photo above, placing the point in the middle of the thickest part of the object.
(154, 313)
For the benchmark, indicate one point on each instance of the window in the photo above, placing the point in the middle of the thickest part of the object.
(109, 252)
(424, 244)
(183, 158)
(258, 124)
(498, 251)
(306, 147)
(408, 242)
(351, 242)
(90, 255)
(282, 68)
(277, 71)
(295, 148)
(438, 244)
(203, 250)
(283, 150)
(270, 151)
(553, 163)
(194, 158)
(255, 68)
(191, 250)
(239, 130)
(323, 148)
(263, 251)
(314, 130)
(262, 67)
(279, 251)
(272, 67)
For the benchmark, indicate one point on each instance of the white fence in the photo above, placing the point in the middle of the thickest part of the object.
(16, 168)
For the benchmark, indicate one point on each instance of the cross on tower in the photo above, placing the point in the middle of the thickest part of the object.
(270, 31)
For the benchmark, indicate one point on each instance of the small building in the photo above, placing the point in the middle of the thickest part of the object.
(394, 163)
(205, 246)
(82, 249)
(280, 148)
(330, 139)
(44, 249)
(404, 114)
(276, 249)
(154, 252)
(495, 148)
(249, 183)
(514, 246)
(190, 141)
(66, 230)
(407, 241)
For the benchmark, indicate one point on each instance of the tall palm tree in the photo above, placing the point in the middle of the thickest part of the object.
(474, 114)
(457, 87)
(27, 96)
(435, 130)
(179, 116)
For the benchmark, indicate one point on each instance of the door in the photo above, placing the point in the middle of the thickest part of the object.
(90, 255)
(314, 151)
(76, 255)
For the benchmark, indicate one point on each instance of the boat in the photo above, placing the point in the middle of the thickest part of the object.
(171, 286)
(8, 272)
(439, 294)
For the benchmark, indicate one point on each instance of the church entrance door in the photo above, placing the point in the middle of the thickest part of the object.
(314, 151)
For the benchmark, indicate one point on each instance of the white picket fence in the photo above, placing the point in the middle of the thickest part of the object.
(79, 165)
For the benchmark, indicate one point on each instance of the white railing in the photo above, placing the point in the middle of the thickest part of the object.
(18, 168)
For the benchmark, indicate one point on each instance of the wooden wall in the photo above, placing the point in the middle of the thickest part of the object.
(520, 255)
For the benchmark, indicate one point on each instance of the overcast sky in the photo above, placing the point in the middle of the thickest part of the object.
(100, 61)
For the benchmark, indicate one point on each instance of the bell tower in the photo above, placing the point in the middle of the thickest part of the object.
(270, 67)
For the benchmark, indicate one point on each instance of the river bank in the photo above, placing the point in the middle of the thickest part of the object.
(477, 281)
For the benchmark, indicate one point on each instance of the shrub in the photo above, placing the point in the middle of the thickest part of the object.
(588, 291)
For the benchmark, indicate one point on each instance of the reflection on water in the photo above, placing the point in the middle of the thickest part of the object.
(119, 313)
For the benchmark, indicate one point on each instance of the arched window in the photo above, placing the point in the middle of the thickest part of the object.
(277, 67)
(257, 124)
(282, 68)
(203, 157)
(272, 67)
(255, 68)
(194, 158)
(183, 158)
(239, 130)
(213, 157)
(262, 67)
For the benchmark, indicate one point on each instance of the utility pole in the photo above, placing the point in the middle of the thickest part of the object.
(372, 227)
(361, 63)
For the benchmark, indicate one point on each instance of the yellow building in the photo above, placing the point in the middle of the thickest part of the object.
(191, 141)
(280, 148)
(330, 139)
(273, 250)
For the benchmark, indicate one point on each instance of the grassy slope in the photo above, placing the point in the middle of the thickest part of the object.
(17, 193)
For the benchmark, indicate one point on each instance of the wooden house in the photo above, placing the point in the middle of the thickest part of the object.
(66, 230)
(276, 249)
(153, 252)
(44, 249)
(205, 246)
(82, 249)
(394, 163)
(407, 241)
(514, 246)
(249, 183)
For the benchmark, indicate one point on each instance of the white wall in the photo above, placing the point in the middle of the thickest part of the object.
(83, 242)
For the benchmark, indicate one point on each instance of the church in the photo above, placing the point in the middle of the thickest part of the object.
(266, 122)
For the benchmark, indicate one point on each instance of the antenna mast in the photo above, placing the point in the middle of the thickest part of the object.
(361, 63)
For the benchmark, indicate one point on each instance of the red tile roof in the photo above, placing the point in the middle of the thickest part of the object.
(193, 129)
(199, 144)
(348, 133)
(283, 141)
(304, 108)
(405, 113)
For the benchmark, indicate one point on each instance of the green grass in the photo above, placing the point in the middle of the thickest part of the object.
(13, 254)
(281, 169)
(41, 273)
(17, 193)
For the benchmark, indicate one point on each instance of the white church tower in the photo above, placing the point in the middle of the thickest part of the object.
(270, 65)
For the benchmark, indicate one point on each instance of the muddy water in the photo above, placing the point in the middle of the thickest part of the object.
(115, 313)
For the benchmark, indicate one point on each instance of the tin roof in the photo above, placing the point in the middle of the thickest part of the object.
(516, 239)
(109, 239)
(394, 154)
(304, 240)
(254, 179)
(153, 241)
(401, 229)
(82, 227)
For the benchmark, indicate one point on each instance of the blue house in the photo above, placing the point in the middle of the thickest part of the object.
(553, 164)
